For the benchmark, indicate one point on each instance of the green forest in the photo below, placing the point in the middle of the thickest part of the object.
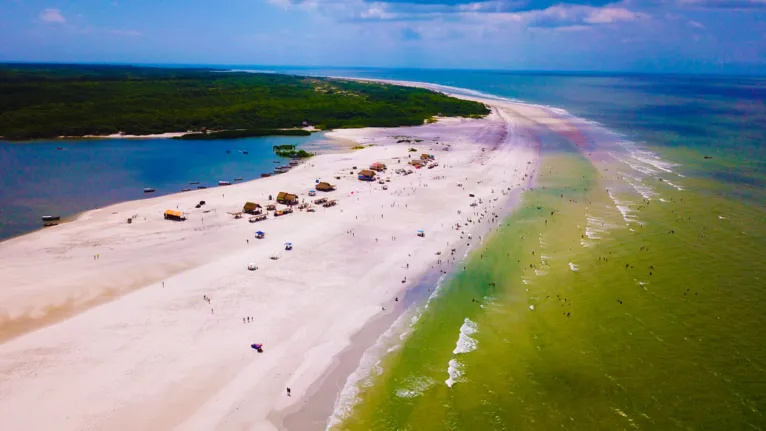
(47, 101)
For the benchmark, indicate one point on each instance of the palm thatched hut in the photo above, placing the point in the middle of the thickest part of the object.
(252, 208)
(366, 175)
(285, 198)
(325, 187)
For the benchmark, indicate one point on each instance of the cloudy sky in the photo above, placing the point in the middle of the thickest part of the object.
(702, 36)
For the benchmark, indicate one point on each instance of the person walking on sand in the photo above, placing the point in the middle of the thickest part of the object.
(288, 392)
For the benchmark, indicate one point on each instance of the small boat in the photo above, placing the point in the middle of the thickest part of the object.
(185, 190)
(193, 182)
(51, 218)
(148, 190)
(224, 183)
(243, 151)
(50, 224)
(237, 178)
(201, 187)
(61, 149)
(265, 175)
(252, 267)
(285, 167)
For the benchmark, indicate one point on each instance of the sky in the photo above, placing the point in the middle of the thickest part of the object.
(682, 36)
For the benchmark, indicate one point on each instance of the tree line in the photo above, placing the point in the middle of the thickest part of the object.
(47, 101)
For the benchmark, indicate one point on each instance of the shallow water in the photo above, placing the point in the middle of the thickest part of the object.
(626, 292)
(589, 317)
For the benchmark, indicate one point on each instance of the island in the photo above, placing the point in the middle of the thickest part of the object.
(49, 101)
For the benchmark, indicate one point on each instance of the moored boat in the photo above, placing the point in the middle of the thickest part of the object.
(265, 175)
(51, 218)
(193, 182)
(185, 190)
(148, 190)
(237, 178)
(224, 183)
(201, 187)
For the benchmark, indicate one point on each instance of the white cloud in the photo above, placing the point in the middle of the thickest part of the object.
(609, 15)
(377, 11)
(52, 15)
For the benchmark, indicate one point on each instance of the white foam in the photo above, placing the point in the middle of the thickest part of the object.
(679, 188)
(455, 371)
(414, 387)
(465, 343)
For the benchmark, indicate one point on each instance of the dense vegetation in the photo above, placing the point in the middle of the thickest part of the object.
(245, 133)
(44, 101)
(290, 151)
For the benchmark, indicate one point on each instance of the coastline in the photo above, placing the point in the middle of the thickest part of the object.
(301, 374)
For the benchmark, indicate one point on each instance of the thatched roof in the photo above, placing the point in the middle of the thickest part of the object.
(325, 187)
(367, 173)
(286, 197)
(251, 206)
(378, 166)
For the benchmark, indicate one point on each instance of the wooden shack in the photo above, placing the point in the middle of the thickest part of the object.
(325, 187)
(366, 175)
(252, 208)
(174, 215)
(380, 167)
(285, 198)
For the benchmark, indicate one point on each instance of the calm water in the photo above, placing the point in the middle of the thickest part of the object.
(38, 179)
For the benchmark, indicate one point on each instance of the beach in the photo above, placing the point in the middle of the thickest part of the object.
(106, 324)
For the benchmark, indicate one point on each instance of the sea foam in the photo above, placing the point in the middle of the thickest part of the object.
(465, 343)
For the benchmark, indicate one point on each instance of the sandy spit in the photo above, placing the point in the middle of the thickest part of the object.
(104, 324)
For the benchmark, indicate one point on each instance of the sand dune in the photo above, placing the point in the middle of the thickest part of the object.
(92, 339)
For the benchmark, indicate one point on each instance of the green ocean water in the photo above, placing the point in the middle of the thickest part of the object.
(621, 294)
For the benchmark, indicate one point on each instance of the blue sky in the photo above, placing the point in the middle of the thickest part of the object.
(703, 36)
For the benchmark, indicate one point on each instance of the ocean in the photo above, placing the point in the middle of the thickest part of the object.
(626, 290)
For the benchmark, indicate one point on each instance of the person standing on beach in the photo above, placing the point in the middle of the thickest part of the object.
(288, 392)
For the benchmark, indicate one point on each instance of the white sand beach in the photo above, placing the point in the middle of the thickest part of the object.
(103, 324)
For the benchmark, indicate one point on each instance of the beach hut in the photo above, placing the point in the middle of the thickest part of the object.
(366, 175)
(174, 215)
(287, 198)
(325, 187)
(252, 208)
(416, 163)
(380, 167)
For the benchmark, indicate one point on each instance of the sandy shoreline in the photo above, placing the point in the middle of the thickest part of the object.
(114, 312)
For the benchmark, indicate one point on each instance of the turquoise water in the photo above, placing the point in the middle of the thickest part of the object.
(39, 179)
